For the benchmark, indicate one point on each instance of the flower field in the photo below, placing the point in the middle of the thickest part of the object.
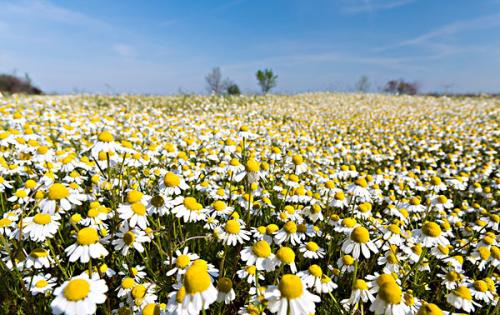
(305, 204)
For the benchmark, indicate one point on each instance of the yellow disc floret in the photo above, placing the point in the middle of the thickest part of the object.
(291, 286)
(58, 191)
(77, 290)
(87, 236)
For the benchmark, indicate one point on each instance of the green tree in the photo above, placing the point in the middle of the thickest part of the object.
(266, 79)
(233, 89)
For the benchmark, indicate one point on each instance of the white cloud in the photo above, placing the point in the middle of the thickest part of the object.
(371, 6)
(484, 22)
(124, 50)
(44, 10)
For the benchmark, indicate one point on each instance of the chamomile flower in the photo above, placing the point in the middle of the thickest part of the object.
(41, 226)
(359, 243)
(430, 235)
(312, 250)
(200, 292)
(79, 295)
(87, 246)
(181, 262)
(233, 233)
(260, 255)
(461, 298)
(40, 283)
(172, 184)
(360, 292)
(389, 300)
(225, 290)
(128, 238)
(291, 297)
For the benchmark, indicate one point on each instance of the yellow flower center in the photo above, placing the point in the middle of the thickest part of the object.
(435, 181)
(41, 283)
(58, 192)
(87, 236)
(21, 193)
(251, 270)
(225, 285)
(139, 291)
(349, 222)
(484, 252)
(443, 249)
(30, 184)
(297, 159)
(315, 270)
(361, 182)
(92, 213)
(252, 166)
(480, 286)
(42, 218)
(128, 283)
(191, 204)
(390, 292)
(129, 237)
(291, 286)
(151, 309)
(290, 227)
(385, 277)
(138, 208)
(286, 255)
(312, 246)
(430, 309)
(234, 162)
(348, 260)
(179, 297)
(39, 253)
(171, 180)
(392, 259)
(431, 229)
(219, 205)
(414, 201)
(196, 279)
(442, 199)
(105, 136)
(463, 292)
(134, 196)
(261, 249)
(394, 229)
(5, 222)
(360, 235)
(360, 284)
(182, 261)
(232, 227)
(76, 290)
(339, 195)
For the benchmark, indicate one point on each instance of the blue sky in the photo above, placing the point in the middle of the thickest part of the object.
(165, 46)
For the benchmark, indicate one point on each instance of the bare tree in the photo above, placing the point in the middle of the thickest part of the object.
(215, 84)
(363, 84)
(402, 87)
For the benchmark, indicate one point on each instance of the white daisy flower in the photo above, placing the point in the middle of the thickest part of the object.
(87, 246)
(291, 297)
(79, 295)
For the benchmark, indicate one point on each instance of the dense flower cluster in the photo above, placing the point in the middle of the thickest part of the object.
(315, 203)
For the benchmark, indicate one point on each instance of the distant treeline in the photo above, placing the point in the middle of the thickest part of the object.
(11, 83)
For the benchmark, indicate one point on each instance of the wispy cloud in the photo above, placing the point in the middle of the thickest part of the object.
(484, 22)
(44, 10)
(124, 50)
(371, 6)
(320, 57)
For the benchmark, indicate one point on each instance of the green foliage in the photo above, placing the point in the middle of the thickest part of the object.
(233, 89)
(266, 79)
(11, 83)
